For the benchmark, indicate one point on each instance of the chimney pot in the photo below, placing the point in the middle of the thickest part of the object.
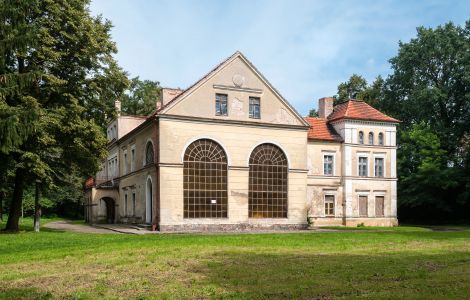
(325, 107)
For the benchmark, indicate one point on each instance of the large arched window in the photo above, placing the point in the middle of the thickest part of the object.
(205, 180)
(267, 196)
(149, 155)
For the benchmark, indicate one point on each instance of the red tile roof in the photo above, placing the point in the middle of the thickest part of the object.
(358, 110)
(322, 131)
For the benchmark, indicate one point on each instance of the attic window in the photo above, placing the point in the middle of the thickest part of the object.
(361, 137)
(255, 108)
(221, 105)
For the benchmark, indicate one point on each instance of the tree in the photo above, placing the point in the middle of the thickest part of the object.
(357, 87)
(313, 113)
(55, 58)
(430, 85)
(141, 97)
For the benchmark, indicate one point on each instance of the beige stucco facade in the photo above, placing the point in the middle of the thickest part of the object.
(151, 191)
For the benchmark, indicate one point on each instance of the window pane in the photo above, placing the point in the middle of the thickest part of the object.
(328, 165)
(361, 137)
(221, 104)
(381, 139)
(329, 205)
(267, 194)
(371, 138)
(379, 167)
(254, 110)
(205, 180)
(362, 166)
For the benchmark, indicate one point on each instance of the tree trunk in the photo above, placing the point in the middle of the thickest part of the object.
(37, 210)
(16, 202)
(2, 195)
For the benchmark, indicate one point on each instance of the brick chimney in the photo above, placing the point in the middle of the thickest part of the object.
(169, 94)
(325, 107)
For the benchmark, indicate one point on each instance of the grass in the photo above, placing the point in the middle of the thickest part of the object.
(403, 262)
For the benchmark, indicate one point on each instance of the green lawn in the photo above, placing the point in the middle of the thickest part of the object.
(401, 263)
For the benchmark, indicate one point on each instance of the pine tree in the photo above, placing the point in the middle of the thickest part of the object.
(55, 58)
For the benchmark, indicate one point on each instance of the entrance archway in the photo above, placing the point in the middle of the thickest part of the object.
(148, 200)
(110, 209)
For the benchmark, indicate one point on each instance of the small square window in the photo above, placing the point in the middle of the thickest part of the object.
(255, 112)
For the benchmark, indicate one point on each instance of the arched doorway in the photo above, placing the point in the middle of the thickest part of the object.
(148, 200)
(110, 209)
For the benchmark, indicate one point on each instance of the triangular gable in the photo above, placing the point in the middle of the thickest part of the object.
(287, 112)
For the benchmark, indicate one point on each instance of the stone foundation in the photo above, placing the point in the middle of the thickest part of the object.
(229, 227)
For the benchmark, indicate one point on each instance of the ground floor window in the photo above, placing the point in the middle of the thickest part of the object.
(329, 205)
(267, 195)
(379, 206)
(133, 204)
(125, 205)
(363, 206)
(205, 180)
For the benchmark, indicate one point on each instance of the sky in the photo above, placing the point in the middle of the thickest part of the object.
(304, 48)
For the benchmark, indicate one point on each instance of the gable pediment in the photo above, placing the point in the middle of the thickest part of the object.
(239, 80)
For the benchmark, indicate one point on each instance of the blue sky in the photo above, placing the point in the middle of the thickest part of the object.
(304, 48)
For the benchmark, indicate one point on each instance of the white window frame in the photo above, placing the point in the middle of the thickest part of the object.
(383, 156)
(133, 157)
(328, 153)
(359, 155)
(334, 204)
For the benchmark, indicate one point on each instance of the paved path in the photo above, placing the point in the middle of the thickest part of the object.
(69, 226)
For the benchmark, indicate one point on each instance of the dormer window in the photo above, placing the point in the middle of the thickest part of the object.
(361, 137)
(255, 108)
(371, 138)
(221, 105)
(381, 139)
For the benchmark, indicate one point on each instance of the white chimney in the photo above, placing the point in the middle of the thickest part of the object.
(325, 107)
(117, 106)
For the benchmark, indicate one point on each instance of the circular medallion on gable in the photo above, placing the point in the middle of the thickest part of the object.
(238, 80)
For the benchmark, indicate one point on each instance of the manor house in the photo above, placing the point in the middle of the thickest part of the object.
(230, 153)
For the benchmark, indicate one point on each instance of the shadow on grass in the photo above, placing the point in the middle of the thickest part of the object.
(26, 293)
(316, 276)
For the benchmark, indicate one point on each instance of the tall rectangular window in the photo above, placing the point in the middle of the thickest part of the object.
(363, 166)
(133, 203)
(221, 105)
(379, 167)
(328, 165)
(133, 158)
(125, 162)
(379, 206)
(125, 204)
(363, 206)
(329, 205)
(255, 112)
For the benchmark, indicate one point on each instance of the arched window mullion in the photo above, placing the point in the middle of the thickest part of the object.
(267, 195)
(205, 180)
